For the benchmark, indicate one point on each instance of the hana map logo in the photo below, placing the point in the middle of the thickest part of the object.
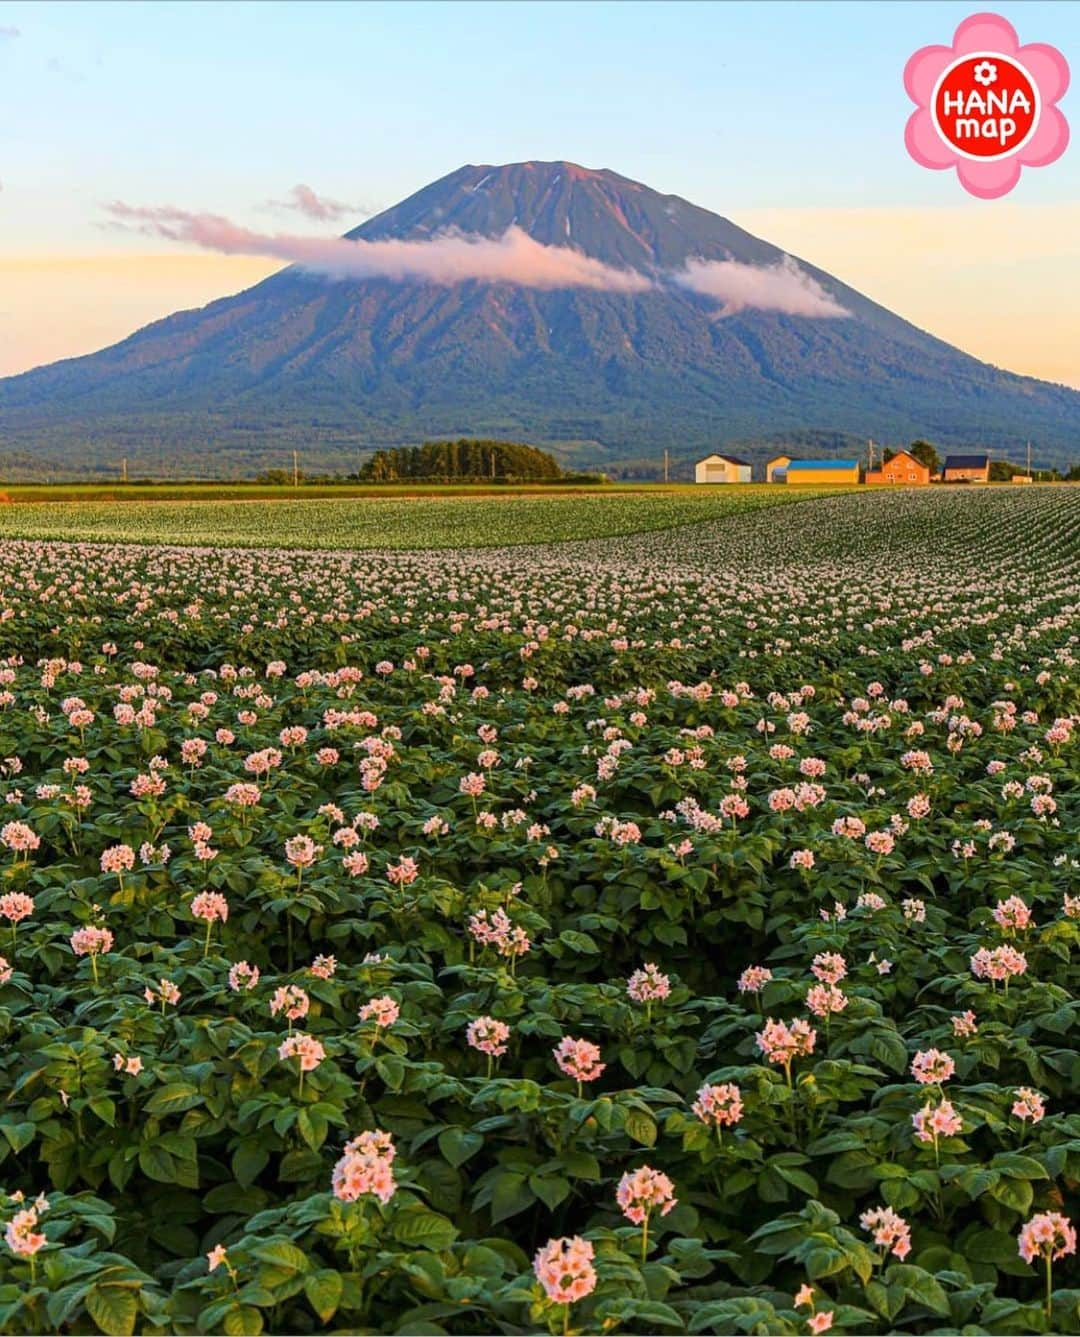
(986, 105)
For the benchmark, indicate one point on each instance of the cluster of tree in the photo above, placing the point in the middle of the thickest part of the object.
(1002, 470)
(465, 459)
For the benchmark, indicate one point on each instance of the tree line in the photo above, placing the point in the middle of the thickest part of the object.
(464, 459)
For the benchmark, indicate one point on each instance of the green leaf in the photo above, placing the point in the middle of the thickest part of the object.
(641, 1127)
(798, 1179)
(113, 1308)
(104, 1107)
(242, 1321)
(550, 1189)
(63, 1303)
(391, 1069)
(920, 1285)
(156, 1163)
(174, 1097)
(884, 1046)
(428, 1229)
(234, 1198)
(323, 1290)
(578, 942)
(510, 1196)
(1015, 1193)
(458, 1144)
(281, 1253)
(1018, 1166)
(249, 1160)
(19, 1135)
(312, 1127)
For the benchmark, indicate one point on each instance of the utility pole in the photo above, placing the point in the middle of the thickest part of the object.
(1029, 460)
(124, 471)
(295, 469)
(870, 449)
(666, 470)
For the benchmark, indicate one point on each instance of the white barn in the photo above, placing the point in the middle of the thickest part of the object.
(722, 469)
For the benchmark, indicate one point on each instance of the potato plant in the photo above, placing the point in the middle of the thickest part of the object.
(674, 934)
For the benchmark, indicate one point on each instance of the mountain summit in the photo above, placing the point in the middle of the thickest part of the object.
(337, 362)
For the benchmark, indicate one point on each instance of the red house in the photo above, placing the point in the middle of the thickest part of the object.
(903, 470)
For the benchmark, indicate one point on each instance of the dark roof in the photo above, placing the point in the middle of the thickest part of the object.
(731, 459)
(966, 461)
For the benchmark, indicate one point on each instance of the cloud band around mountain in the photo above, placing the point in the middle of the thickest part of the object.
(782, 287)
(451, 258)
(514, 257)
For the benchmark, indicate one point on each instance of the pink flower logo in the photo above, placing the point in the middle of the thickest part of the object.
(986, 105)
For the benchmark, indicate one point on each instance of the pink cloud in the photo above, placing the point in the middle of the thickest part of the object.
(782, 287)
(513, 257)
(302, 199)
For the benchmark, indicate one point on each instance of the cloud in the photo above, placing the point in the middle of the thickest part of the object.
(303, 200)
(781, 287)
(450, 258)
(9, 34)
(456, 257)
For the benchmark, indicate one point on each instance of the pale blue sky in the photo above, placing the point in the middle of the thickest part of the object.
(219, 106)
(786, 117)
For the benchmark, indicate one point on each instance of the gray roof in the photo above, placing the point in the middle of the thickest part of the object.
(966, 461)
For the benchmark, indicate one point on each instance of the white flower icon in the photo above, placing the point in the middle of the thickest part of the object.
(985, 73)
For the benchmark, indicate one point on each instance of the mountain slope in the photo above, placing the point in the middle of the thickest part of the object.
(340, 365)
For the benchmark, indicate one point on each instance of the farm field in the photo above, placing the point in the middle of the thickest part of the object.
(668, 931)
(432, 520)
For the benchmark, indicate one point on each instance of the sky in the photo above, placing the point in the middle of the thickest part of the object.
(786, 118)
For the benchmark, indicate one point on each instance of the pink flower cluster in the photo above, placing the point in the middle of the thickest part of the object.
(22, 1236)
(366, 1166)
(648, 984)
(641, 1191)
(488, 1036)
(891, 1232)
(1012, 915)
(932, 1066)
(564, 1267)
(934, 1121)
(210, 906)
(305, 1048)
(243, 977)
(1029, 1105)
(998, 963)
(1047, 1235)
(781, 1043)
(91, 940)
(383, 1011)
(16, 906)
(754, 979)
(579, 1059)
(720, 1105)
(290, 999)
(829, 966)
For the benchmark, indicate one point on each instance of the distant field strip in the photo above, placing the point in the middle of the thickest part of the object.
(419, 522)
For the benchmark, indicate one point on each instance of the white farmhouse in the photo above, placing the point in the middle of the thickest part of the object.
(721, 469)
